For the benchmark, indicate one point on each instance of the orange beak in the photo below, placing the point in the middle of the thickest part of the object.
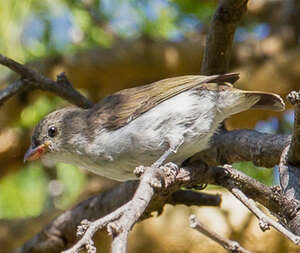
(34, 153)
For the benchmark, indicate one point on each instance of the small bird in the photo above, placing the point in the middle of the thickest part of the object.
(165, 121)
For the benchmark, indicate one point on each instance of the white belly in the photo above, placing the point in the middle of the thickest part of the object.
(185, 117)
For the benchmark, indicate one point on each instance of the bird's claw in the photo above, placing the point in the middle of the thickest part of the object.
(170, 172)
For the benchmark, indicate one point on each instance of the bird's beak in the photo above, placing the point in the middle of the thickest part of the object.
(34, 153)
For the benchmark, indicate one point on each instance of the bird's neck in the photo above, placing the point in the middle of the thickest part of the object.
(76, 135)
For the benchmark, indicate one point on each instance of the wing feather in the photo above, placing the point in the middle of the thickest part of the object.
(124, 106)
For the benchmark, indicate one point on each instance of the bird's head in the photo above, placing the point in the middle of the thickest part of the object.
(49, 135)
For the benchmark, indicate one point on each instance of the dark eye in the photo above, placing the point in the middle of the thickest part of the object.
(52, 131)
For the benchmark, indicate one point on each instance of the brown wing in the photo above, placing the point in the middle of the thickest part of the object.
(124, 106)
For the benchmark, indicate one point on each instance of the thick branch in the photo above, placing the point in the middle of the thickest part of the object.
(245, 145)
(271, 198)
(33, 80)
(220, 36)
(193, 198)
(60, 233)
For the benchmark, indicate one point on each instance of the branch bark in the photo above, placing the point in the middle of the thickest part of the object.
(264, 221)
(245, 145)
(294, 151)
(217, 53)
(30, 79)
(60, 233)
(233, 246)
(289, 165)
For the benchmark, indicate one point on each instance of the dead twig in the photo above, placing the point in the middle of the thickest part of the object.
(120, 221)
(233, 246)
(30, 80)
(264, 221)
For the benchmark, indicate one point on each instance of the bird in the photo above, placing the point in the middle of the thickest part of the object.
(166, 121)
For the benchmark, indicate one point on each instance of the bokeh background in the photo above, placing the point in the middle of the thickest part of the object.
(108, 45)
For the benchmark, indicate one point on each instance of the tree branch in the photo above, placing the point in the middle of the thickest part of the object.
(264, 221)
(120, 221)
(193, 198)
(244, 145)
(31, 79)
(217, 52)
(13, 89)
(60, 233)
(289, 164)
(294, 151)
(233, 246)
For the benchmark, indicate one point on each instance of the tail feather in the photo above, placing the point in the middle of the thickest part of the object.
(267, 101)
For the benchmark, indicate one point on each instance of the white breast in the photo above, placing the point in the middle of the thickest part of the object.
(186, 117)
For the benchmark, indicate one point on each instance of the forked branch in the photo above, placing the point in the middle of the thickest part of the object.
(30, 80)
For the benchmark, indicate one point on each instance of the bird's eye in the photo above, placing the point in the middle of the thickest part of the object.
(52, 131)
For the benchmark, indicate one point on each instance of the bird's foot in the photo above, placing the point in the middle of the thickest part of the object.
(81, 229)
(170, 171)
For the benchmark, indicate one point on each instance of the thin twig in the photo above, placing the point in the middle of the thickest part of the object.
(14, 88)
(264, 221)
(120, 221)
(87, 229)
(30, 79)
(233, 246)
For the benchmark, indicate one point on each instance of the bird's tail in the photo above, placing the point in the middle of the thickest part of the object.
(233, 101)
(267, 100)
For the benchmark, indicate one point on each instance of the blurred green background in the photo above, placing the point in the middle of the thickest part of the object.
(107, 45)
